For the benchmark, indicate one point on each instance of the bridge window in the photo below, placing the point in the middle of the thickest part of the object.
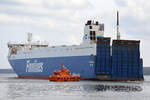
(90, 27)
(91, 32)
(91, 38)
(92, 35)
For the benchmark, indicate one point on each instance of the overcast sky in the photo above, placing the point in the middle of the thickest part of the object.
(62, 21)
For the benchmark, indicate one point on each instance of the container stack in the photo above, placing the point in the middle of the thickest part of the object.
(103, 65)
(126, 62)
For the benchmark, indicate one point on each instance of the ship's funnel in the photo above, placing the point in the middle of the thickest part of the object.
(118, 33)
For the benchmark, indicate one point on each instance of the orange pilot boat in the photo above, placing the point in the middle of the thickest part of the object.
(64, 75)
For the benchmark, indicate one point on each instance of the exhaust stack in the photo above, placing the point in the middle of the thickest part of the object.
(118, 33)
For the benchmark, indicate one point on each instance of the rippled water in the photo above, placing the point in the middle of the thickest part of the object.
(12, 88)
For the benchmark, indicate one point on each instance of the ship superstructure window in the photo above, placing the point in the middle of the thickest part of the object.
(97, 23)
(91, 38)
(92, 35)
(93, 32)
(90, 27)
(85, 36)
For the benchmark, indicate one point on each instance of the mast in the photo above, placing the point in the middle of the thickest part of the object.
(29, 39)
(118, 33)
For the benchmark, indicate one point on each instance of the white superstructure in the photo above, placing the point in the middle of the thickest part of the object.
(92, 30)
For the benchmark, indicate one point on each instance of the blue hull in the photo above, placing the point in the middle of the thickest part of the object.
(103, 66)
(83, 65)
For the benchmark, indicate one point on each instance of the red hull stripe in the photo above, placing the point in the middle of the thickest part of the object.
(44, 77)
(34, 77)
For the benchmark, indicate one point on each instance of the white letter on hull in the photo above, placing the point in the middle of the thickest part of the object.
(34, 67)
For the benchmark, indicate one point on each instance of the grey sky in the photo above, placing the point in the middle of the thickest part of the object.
(62, 21)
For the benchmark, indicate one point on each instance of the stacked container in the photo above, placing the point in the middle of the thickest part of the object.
(103, 65)
(126, 63)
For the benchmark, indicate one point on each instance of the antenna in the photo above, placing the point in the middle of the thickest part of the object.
(29, 37)
(118, 33)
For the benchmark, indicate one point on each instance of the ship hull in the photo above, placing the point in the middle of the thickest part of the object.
(43, 67)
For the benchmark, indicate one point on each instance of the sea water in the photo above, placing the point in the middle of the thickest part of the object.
(13, 88)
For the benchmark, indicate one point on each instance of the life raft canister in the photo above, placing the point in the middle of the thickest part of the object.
(14, 50)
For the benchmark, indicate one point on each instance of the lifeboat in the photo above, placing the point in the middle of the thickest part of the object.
(63, 75)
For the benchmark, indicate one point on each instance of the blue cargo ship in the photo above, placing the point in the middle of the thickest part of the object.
(93, 59)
